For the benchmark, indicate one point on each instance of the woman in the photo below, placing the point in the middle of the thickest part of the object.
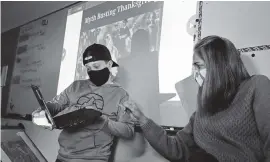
(232, 122)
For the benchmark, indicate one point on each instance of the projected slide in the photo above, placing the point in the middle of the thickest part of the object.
(113, 24)
(117, 35)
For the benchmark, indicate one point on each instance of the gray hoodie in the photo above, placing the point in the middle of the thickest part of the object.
(92, 142)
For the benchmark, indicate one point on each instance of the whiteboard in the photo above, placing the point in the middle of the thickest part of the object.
(38, 55)
(245, 23)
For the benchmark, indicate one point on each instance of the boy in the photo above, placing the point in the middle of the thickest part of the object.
(92, 143)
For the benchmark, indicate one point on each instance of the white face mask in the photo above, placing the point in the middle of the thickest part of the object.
(200, 76)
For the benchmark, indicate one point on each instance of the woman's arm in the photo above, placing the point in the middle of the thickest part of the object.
(261, 107)
(171, 147)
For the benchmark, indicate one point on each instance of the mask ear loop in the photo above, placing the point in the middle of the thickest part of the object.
(201, 76)
(196, 72)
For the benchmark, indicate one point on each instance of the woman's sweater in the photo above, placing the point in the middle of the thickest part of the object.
(241, 133)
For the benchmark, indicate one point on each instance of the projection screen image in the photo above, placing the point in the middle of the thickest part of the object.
(114, 24)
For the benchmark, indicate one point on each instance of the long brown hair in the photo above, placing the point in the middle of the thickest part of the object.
(225, 72)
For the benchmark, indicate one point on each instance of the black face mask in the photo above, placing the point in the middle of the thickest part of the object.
(99, 77)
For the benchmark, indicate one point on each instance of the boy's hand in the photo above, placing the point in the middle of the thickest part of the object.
(39, 118)
(104, 117)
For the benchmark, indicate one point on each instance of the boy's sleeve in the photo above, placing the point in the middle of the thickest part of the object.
(59, 102)
(123, 116)
(123, 127)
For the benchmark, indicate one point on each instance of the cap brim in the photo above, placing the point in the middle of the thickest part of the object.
(115, 64)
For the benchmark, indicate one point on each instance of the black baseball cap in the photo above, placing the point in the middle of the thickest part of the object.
(97, 52)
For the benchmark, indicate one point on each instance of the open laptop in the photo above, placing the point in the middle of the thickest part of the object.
(67, 120)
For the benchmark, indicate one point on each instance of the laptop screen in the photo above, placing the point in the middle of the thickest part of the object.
(42, 104)
(38, 96)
